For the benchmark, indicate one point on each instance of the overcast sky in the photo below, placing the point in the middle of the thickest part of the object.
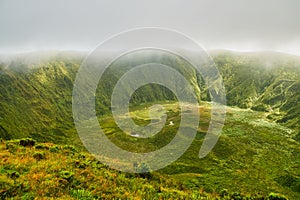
(81, 25)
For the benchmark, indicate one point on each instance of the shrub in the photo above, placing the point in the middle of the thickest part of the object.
(13, 174)
(41, 146)
(66, 175)
(39, 155)
(236, 196)
(224, 193)
(275, 196)
(80, 164)
(54, 149)
(11, 146)
(27, 142)
(70, 147)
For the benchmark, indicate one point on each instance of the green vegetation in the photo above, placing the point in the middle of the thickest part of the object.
(77, 175)
(257, 156)
(266, 81)
(253, 155)
(36, 96)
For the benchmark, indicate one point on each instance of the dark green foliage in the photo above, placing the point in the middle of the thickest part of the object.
(290, 181)
(260, 107)
(39, 155)
(27, 142)
(11, 145)
(66, 175)
(297, 137)
(70, 148)
(54, 149)
(4, 134)
(11, 173)
(224, 193)
(41, 146)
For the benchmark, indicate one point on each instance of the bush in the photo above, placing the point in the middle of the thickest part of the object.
(236, 196)
(80, 164)
(41, 146)
(13, 174)
(11, 146)
(70, 147)
(27, 142)
(39, 155)
(66, 175)
(54, 149)
(275, 196)
(224, 193)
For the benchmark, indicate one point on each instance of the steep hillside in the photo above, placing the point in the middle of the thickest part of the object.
(36, 89)
(34, 99)
(263, 81)
(258, 151)
(36, 94)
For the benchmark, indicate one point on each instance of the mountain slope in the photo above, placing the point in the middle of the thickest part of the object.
(50, 171)
(34, 102)
(264, 81)
(35, 94)
(254, 153)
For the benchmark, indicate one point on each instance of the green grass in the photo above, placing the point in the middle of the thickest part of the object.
(258, 152)
(72, 174)
(35, 98)
(253, 155)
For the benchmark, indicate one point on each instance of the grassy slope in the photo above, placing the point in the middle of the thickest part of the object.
(252, 158)
(263, 81)
(51, 171)
(36, 102)
(61, 172)
(253, 155)
(35, 98)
